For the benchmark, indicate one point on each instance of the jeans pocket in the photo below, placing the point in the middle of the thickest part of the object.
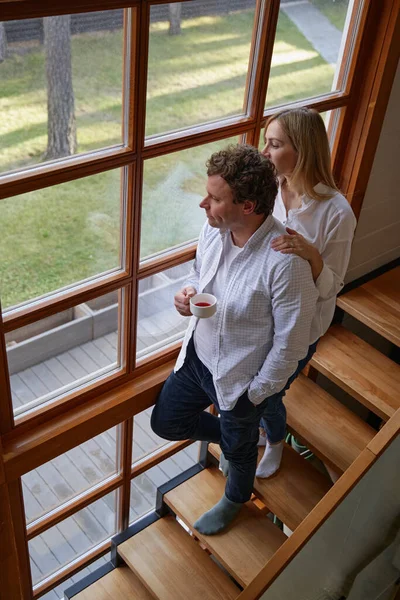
(243, 407)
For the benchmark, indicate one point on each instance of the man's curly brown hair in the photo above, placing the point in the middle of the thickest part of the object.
(250, 175)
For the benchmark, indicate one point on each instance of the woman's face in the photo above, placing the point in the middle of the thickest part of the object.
(278, 148)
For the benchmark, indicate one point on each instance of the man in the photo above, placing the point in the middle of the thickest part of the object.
(240, 358)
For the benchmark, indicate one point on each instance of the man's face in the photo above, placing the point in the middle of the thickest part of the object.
(220, 210)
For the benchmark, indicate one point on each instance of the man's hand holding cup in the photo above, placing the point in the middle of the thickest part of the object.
(182, 300)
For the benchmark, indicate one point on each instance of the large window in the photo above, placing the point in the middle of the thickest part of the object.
(104, 167)
(109, 114)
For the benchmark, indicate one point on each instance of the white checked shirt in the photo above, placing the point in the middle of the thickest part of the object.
(329, 225)
(263, 318)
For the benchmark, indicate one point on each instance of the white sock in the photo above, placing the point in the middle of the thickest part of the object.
(271, 460)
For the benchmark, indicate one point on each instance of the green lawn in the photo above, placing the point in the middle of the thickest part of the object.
(298, 71)
(54, 237)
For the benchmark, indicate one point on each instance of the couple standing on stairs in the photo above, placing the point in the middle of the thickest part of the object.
(274, 251)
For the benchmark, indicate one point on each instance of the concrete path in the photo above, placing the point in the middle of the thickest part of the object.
(318, 30)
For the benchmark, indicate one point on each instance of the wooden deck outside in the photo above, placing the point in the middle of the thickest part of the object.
(158, 324)
(61, 479)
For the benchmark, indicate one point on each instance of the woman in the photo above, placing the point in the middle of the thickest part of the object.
(320, 227)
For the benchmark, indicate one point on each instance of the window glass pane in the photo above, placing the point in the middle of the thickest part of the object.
(307, 50)
(70, 539)
(87, 49)
(145, 441)
(174, 184)
(58, 236)
(64, 352)
(199, 74)
(55, 237)
(70, 474)
(58, 592)
(334, 10)
(159, 323)
(144, 486)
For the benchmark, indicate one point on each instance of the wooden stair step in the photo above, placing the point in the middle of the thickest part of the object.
(243, 548)
(329, 429)
(172, 566)
(377, 304)
(359, 369)
(293, 491)
(119, 584)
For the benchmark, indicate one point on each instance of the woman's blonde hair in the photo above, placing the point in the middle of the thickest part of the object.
(307, 134)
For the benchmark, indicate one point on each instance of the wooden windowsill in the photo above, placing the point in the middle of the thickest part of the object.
(26, 450)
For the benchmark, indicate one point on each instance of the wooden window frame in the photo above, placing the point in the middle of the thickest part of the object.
(132, 158)
(78, 417)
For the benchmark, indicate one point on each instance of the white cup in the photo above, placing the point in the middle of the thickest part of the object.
(203, 312)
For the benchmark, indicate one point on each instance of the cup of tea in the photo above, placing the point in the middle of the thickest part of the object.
(203, 305)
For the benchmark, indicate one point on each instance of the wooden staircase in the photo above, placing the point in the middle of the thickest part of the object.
(167, 559)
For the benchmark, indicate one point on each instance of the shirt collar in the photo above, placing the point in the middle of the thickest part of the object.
(320, 188)
(258, 235)
(305, 201)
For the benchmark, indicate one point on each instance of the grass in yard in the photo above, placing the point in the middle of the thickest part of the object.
(56, 236)
(97, 82)
(297, 70)
(201, 74)
(335, 10)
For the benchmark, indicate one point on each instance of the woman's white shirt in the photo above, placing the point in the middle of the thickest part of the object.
(329, 225)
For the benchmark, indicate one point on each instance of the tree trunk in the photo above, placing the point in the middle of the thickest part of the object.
(175, 18)
(61, 126)
(3, 43)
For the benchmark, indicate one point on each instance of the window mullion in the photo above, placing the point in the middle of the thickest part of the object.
(125, 448)
(6, 410)
(32, 9)
(73, 506)
(262, 49)
(69, 169)
(62, 301)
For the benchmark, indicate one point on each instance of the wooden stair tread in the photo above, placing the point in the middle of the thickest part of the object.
(361, 370)
(243, 548)
(328, 428)
(377, 304)
(119, 584)
(293, 491)
(172, 566)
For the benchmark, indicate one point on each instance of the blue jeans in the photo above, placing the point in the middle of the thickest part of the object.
(179, 415)
(273, 420)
